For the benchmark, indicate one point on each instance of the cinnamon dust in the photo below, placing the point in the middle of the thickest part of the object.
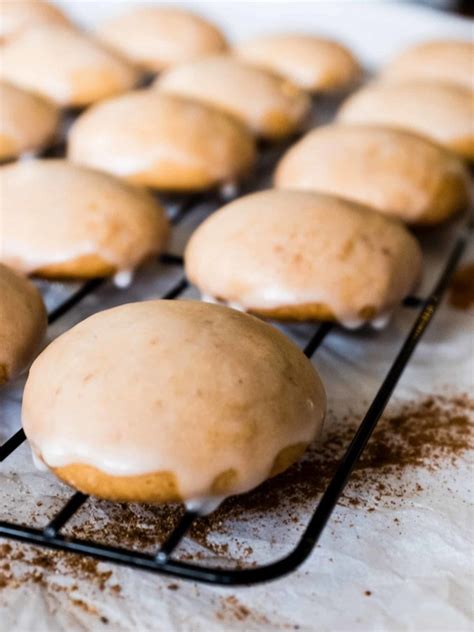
(431, 434)
(231, 609)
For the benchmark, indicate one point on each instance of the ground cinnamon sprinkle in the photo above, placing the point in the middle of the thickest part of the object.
(431, 433)
(39, 565)
(462, 287)
(231, 609)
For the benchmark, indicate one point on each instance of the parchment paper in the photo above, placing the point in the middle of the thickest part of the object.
(404, 566)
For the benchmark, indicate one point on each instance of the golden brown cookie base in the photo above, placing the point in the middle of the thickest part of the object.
(452, 200)
(3, 374)
(463, 147)
(157, 487)
(308, 312)
(84, 267)
(277, 126)
(171, 177)
(89, 87)
(287, 457)
(8, 148)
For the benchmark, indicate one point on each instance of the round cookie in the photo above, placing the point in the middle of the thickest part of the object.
(159, 37)
(65, 221)
(208, 403)
(22, 323)
(313, 63)
(28, 123)
(66, 66)
(294, 255)
(162, 141)
(394, 171)
(440, 111)
(439, 60)
(18, 15)
(272, 107)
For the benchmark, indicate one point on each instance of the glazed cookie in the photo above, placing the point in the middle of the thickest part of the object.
(22, 323)
(28, 123)
(209, 403)
(294, 255)
(18, 15)
(313, 63)
(440, 111)
(64, 221)
(270, 106)
(162, 141)
(65, 66)
(160, 37)
(394, 171)
(440, 60)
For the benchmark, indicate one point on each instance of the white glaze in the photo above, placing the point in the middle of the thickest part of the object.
(161, 141)
(65, 65)
(378, 323)
(123, 278)
(313, 63)
(159, 37)
(229, 190)
(279, 249)
(29, 155)
(205, 505)
(28, 123)
(394, 171)
(37, 257)
(38, 462)
(445, 61)
(440, 111)
(382, 320)
(85, 212)
(157, 412)
(268, 104)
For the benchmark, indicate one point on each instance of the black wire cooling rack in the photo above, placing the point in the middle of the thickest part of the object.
(163, 561)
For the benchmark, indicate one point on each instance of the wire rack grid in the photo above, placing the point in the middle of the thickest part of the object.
(163, 560)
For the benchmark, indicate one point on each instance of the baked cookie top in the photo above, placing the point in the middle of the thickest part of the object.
(442, 60)
(22, 323)
(59, 214)
(66, 66)
(314, 63)
(443, 112)
(159, 37)
(208, 395)
(162, 141)
(397, 172)
(28, 122)
(18, 15)
(304, 255)
(269, 105)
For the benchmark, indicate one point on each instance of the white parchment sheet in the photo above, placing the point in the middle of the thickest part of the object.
(407, 565)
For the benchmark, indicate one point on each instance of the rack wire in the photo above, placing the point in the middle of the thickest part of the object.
(163, 560)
